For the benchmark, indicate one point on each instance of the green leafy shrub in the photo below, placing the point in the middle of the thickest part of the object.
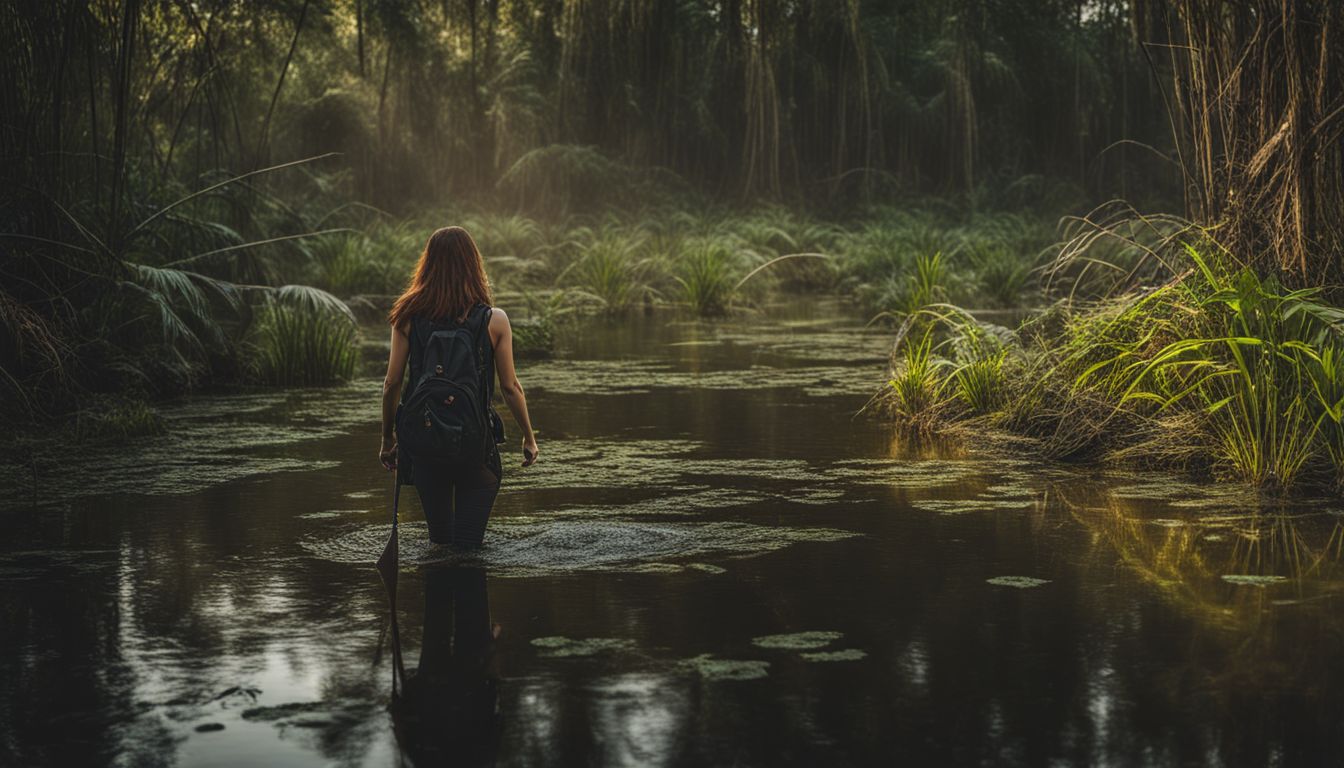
(707, 276)
(302, 337)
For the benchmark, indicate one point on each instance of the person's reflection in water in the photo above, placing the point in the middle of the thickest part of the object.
(446, 711)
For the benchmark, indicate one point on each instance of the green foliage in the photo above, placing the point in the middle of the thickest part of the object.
(609, 271)
(1002, 275)
(1243, 355)
(918, 386)
(116, 419)
(304, 337)
(1219, 365)
(708, 278)
(980, 382)
(377, 260)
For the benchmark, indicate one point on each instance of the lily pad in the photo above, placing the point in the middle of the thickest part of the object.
(711, 668)
(848, 654)
(797, 641)
(564, 647)
(1019, 582)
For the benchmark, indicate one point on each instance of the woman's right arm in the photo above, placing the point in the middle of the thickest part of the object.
(396, 369)
(501, 336)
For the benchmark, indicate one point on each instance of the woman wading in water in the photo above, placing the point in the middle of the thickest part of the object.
(446, 432)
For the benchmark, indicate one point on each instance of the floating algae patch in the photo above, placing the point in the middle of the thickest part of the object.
(968, 506)
(901, 474)
(675, 504)
(655, 568)
(1010, 490)
(670, 464)
(1018, 582)
(330, 514)
(1185, 494)
(564, 647)
(797, 641)
(545, 544)
(1247, 580)
(848, 654)
(813, 496)
(711, 668)
(212, 440)
(624, 377)
(813, 342)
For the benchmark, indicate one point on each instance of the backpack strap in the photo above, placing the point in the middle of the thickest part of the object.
(483, 339)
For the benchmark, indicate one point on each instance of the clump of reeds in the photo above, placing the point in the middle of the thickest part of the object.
(1217, 364)
(303, 337)
(707, 278)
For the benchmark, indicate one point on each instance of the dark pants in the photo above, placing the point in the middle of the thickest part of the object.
(457, 501)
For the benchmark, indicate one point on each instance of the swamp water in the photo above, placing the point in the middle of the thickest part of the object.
(713, 563)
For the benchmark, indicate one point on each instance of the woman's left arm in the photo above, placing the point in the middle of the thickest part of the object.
(396, 371)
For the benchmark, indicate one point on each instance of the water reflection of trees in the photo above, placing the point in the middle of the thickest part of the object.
(1257, 658)
(1186, 558)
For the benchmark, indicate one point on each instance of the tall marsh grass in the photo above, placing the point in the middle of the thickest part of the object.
(707, 277)
(1217, 365)
(304, 337)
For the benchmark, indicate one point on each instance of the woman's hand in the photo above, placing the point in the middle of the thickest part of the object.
(387, 454)
(529, 451)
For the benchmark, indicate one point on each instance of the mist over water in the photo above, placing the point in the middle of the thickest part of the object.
(714, 562)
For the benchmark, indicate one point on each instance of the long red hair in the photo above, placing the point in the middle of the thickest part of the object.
(449, 280)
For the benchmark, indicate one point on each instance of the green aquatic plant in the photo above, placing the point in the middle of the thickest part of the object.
(1017, 582)
(798, 641)
(304, 336)
(610, 271)
(1242, 579)
(918, 386)
(565, 647)
(846, 654)
(1002, 274)
(707, 277)
(1325, 371)
(1243, 357)
(712, 668)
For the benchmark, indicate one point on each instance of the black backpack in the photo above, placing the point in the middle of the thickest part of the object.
(444, 417)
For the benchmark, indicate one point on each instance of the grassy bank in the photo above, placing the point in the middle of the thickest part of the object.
(1207, 366)
(712, 262)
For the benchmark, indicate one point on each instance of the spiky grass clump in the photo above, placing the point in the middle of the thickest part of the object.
(707, 277)
(610, 271)
(1218, 366)
(918, 384)
(304, 337)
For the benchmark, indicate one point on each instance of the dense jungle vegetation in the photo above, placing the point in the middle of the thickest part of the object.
(219, 193)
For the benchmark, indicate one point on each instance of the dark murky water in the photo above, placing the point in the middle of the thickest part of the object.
(714, 563)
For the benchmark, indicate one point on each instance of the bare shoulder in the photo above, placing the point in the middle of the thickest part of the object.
(498, 324)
